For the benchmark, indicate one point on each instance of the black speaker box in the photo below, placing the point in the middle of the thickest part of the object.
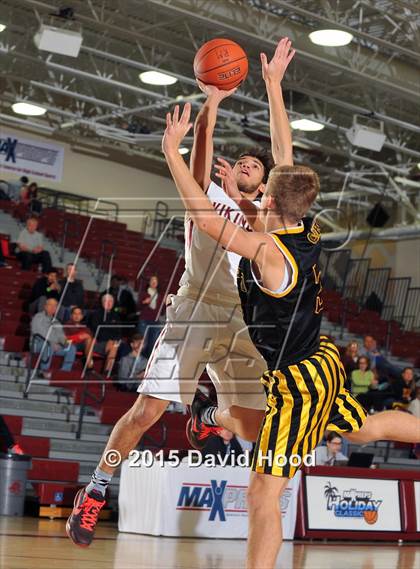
(377, 216)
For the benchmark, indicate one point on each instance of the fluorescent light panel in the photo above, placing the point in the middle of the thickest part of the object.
(306, 124)
(28, 109)
(330, 38)
(157, 78)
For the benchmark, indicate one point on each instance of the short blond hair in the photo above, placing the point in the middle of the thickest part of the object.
(294, 189)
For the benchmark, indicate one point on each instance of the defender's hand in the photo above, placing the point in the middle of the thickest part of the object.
(276, 68)
(176, 128)
(227, 177)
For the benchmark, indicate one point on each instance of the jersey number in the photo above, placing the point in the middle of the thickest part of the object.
(319, 304)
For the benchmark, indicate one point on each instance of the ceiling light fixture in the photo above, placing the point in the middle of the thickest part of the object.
(306, 124)
(157, 78)
(183, 150)
(330, 38)
(28, 109)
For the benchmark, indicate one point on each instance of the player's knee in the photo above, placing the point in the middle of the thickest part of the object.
(145, 412)
(258, 497)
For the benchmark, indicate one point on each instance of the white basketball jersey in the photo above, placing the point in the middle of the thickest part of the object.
(209, 268)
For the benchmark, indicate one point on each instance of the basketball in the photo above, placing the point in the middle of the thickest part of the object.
(222, 63)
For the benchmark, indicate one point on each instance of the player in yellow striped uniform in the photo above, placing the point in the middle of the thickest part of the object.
(279, 284)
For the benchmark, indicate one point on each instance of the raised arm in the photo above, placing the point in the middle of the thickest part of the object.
(202, 150)
(273, 72)
(233, 238)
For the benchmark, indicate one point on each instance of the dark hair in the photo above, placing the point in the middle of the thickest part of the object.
(333, 435)
(263, 156)
(76, 308)
(52, 270)
(24, 180)
(364, 358)
(136, 338)
(408, 367)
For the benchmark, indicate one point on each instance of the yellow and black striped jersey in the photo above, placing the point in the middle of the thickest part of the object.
(285, 326)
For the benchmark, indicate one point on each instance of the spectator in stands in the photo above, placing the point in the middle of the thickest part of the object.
(362, 380)
(414, 405)
(351, 357)
(14, 188)
(330, 454)
(404, 388)
(385, 370)
(131, 367)
(124, 302)
(48, 338)
(72, 292)
(149, 313)
(31, 247)
(7, 442)
(43, 288)
(105, 325)
(79, 334)
(30, 198)
(223, 445)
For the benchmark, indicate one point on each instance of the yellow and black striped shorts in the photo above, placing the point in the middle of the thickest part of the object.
(303, 400)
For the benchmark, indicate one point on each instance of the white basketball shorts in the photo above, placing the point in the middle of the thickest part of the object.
(196, 336)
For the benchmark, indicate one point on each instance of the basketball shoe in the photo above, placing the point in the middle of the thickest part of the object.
(197, 432)
(80, 526)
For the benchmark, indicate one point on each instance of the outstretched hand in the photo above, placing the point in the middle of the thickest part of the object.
(176, 128)
(214, 92)
(276, 68)
(227, 177)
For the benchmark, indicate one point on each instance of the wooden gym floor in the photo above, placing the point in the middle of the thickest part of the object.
(30, 543)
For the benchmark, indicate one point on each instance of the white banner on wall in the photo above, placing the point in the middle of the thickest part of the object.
(30, 157)
(193, 502)
(417, 499)
(356, 504)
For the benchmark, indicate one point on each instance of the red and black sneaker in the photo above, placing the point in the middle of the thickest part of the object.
(197, 432)
(80, 526)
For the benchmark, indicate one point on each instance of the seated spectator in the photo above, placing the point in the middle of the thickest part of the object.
(48, 338)
(72, 292)
(43, 288)
(29, 197)
(330, 454)
(31, 248)
(105, 325)
(404, 388)
(131, 367)
(363, 379)
(222, 445)
(350, 358)
(385, 370)
(124, 302)
(414, 405)
(149, 325)
(14, 188)
(79, 334)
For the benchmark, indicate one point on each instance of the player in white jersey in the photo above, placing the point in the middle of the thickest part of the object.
(204, 327)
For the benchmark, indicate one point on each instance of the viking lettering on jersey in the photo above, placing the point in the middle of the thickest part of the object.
(209, 268)
(235, 216)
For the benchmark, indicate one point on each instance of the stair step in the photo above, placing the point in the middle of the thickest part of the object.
(50, 424)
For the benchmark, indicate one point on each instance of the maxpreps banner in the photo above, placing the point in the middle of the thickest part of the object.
(30, 157)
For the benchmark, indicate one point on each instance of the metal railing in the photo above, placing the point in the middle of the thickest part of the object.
(83, 205)
(86, 396)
